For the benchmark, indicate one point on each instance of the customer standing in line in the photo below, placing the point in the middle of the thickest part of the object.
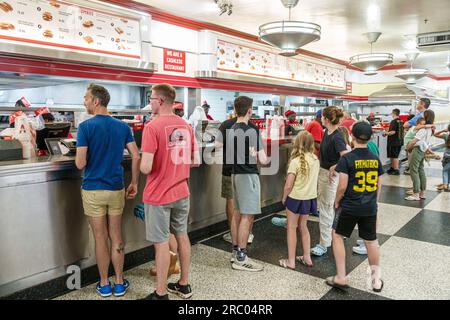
(300, 198)
(168, 152)
(100, 144)
(394, 142)
(245, 149)
(418, 147)
(332, 147)
(356, 204)
(227, 188)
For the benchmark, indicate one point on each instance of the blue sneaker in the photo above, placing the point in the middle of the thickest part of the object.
(279, 222)
(104, 291)
(121, 289)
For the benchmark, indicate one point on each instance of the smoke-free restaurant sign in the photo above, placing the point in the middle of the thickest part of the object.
(174, 61)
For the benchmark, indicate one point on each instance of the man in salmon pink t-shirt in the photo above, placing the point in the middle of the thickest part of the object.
(316, 130)
(168, 152)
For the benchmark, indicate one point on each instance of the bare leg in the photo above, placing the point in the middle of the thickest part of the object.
(306, 239)
(373, 252)
(234, 226)
(184, 249)
(244, 230)
(395, 163)
(162, 258)
(100, 230)
(339, 257)
(292, 223)
(117, 246)
(173, 243)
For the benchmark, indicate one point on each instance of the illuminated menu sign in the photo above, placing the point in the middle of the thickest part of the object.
(244, 60)
(64, 25)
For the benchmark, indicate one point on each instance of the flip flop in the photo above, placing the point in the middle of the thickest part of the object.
(331, 283)
(283, 263)
(303, 262)
(381, 288)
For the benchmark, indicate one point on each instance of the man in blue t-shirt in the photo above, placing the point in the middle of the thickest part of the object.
(356, 204)
(424, 104)
(101, 141)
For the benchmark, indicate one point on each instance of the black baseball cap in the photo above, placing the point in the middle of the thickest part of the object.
(362, 130)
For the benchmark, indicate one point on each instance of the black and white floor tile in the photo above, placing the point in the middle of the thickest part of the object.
(415, 257)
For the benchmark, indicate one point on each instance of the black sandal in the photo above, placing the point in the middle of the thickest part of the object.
(381, 288)
(332, 283)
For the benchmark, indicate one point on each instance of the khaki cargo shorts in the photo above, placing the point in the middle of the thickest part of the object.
(98, 203)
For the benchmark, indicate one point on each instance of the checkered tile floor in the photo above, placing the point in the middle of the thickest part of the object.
(415, 257)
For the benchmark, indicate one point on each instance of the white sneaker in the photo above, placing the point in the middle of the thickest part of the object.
(362, 250)
(247, 265)
(360, 242)
(233, 256)
(250, 238)
(227, 237)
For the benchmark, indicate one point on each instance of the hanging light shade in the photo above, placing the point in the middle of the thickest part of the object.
(371, 62)
(412, 75)
(289, 35)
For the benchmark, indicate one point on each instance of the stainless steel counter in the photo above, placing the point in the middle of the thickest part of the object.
(43, 228)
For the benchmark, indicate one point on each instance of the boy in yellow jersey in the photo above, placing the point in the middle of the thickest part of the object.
(356, 204)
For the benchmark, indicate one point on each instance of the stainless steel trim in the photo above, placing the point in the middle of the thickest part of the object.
(72, 109)
(21, 50)
(261, 80)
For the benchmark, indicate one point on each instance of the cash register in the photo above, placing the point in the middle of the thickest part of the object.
(53, 137)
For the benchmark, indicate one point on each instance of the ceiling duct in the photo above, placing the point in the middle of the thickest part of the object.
(399, 92)
(434, 41)
(407, 93)
(289, 35)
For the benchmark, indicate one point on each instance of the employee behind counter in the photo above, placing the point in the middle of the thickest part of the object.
(292, 126)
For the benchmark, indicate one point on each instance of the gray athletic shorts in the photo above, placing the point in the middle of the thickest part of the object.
(247, 193)
(160, 221)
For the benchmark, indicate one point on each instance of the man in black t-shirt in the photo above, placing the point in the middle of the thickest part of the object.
(227, 190)
(394, 142)
(244, 150)
(356, 204)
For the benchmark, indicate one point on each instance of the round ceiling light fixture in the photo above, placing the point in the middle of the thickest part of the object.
(412, 75)
(289, 35)
(371, 62)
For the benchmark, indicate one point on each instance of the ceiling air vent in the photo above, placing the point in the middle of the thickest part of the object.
(434, 41)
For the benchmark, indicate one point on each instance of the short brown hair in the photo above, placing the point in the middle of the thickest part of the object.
(165, 90)
(426, 101)
(333, 114)
(242, 104)
(429, 116)
(100, 93)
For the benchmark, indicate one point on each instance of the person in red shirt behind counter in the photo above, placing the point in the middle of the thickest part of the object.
(316, 130)
(291, 120)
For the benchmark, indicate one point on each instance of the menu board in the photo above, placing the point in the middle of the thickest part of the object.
(61, 24)
(241, 59)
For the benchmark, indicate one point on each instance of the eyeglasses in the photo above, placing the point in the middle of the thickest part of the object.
(150, 99)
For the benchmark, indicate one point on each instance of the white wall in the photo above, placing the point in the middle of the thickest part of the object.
(218, 99)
